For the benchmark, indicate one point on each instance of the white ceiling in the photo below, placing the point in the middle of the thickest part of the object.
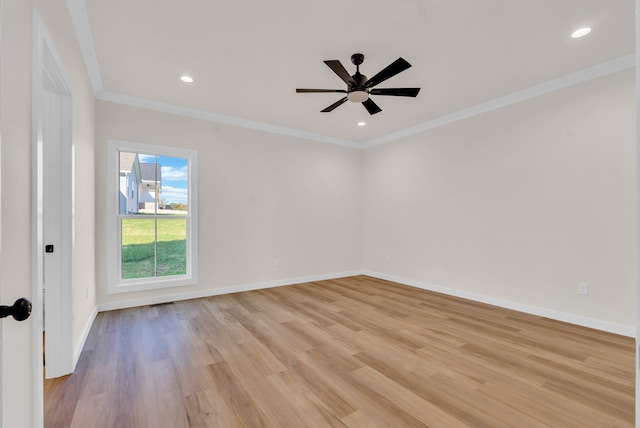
(248, 57)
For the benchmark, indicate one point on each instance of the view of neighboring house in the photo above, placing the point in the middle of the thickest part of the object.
(150, 187)
(130, 176)
(140, 184)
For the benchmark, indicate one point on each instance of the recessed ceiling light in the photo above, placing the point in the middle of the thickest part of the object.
(362, 123)
(581, 32)
(186, 79)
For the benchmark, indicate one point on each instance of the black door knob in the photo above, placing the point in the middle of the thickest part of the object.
(20, 310)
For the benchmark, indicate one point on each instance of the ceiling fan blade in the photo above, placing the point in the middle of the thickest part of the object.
(391, 70)
(398, 92)
(302, 91)
(371, 107)
(334, 105)
(342, 73)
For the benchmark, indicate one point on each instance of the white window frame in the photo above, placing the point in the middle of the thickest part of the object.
(114, 282)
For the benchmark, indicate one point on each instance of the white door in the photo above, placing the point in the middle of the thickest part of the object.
(57, 313)
(1, 376)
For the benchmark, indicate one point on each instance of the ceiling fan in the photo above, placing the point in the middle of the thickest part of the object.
(359, 88)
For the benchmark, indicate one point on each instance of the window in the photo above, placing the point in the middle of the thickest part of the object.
(152, 221)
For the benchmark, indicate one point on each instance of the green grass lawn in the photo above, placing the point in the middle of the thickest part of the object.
(138, 236)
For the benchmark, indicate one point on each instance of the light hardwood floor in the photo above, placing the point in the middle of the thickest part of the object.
(353, 352)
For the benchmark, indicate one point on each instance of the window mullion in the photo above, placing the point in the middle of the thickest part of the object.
(155, 245)
(155, 215)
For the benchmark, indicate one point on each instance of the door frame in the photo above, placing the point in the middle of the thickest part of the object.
(1, 348)
(49, 75)
(637, 344)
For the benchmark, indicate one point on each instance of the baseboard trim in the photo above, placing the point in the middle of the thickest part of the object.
(165, 298)
(520, 307)
(83, 339)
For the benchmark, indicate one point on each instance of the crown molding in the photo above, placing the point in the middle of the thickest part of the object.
(619, 64)
(80, 19)
(220, 118)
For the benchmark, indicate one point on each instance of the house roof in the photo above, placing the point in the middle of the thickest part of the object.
(126, 161)
(151, 171)
(130, 163)
(467, 56)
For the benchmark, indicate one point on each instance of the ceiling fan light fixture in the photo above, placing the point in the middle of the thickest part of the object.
(358, 96)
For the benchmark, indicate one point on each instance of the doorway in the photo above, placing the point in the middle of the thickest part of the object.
(52, 215)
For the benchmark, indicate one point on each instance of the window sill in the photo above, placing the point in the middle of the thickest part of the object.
(145, 284)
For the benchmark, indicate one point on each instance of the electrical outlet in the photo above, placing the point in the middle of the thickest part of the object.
(388, 259)
(583, 288)
(276, 262)
(86, 292)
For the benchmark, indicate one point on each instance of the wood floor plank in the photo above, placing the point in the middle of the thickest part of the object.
(91, 411)
(348, 352)
(307, 405)
(209, 409)
(238, 398)
(426, 412)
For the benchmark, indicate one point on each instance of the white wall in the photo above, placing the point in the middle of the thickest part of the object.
(262, 196)
(518, 204)
(15, 275)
